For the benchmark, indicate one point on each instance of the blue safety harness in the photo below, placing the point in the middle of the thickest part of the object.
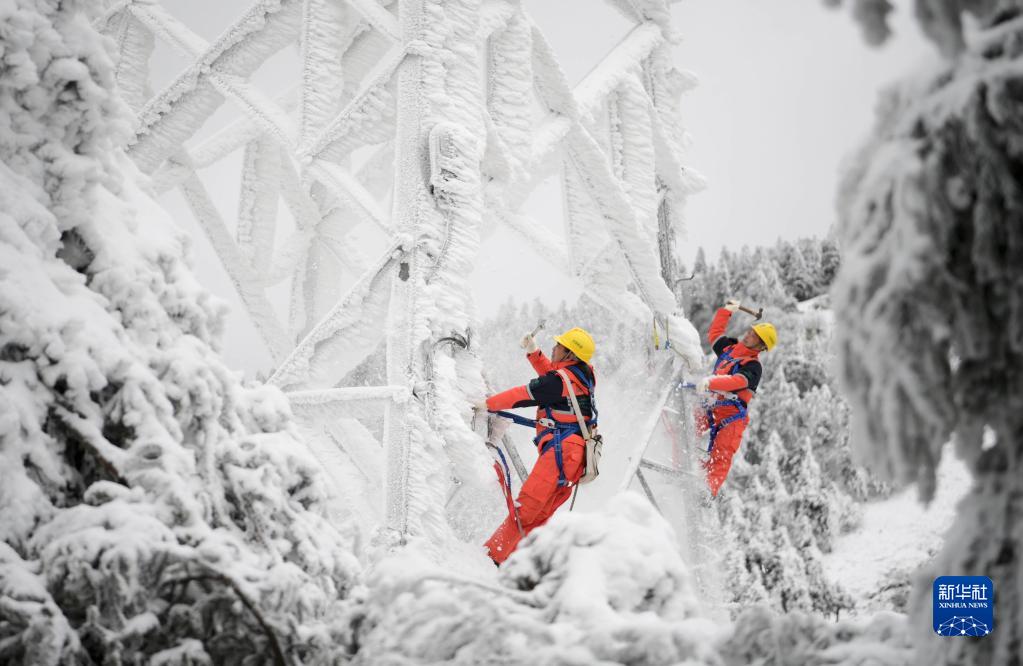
(560, 431)
(507, 469)
(718, 426)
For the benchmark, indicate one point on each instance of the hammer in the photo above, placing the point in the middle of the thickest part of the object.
(757, 314)
(532, 334)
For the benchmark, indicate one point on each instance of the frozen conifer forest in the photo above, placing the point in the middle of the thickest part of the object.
(242, 353)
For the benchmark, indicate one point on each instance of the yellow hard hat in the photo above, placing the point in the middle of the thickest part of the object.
(767, 333)
(579, 342)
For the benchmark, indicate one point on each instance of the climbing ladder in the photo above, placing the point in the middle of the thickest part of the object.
(664, 464)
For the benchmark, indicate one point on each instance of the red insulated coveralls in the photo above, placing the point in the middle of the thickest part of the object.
(541, 495)
(738, 373)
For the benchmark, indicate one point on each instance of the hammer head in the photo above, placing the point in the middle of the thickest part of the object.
(757, 314)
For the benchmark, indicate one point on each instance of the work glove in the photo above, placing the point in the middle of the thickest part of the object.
(731, 305)
(704, 384)
(480, 405)
(528, 343)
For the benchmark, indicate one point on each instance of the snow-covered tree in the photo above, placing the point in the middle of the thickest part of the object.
(722, 282)
(827, 425)
(152, 508)
(930, 304)
(831, 259)
(776, 518)
(795, 273)
(760, 284)
(764, 637)
(773, 278)
(698, 298)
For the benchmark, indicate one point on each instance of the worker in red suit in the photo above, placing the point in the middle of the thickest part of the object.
(736, 376)
(561, 447)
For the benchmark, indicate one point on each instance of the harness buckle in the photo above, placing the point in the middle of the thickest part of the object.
(550, 424)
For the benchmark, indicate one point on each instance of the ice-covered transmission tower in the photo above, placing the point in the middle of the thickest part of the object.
(407, 126)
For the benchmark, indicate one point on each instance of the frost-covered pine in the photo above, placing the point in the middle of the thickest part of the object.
(152, 509)
(831, 259)
(930, 304)
(763, 637)
(795, 271)
(761, 284)
(699, 306)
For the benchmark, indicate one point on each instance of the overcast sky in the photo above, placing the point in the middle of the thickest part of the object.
(787, 89)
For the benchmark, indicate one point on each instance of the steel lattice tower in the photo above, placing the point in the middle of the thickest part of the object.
(456, 110)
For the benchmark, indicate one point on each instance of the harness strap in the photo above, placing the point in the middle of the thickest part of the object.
(575, 404)
(507, 471)
(559, 453)
(516, 418)
(550, 423)
(559, 431)
(716, 426)
(581, 376)
(506, 481)
(725, 357)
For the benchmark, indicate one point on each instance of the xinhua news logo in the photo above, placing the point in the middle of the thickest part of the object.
(963, 606)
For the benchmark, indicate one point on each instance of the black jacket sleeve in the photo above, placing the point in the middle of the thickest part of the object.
(546, 390)
(723, 343)
(751, 371)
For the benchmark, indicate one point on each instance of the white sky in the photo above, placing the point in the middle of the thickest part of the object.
(787, 89)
